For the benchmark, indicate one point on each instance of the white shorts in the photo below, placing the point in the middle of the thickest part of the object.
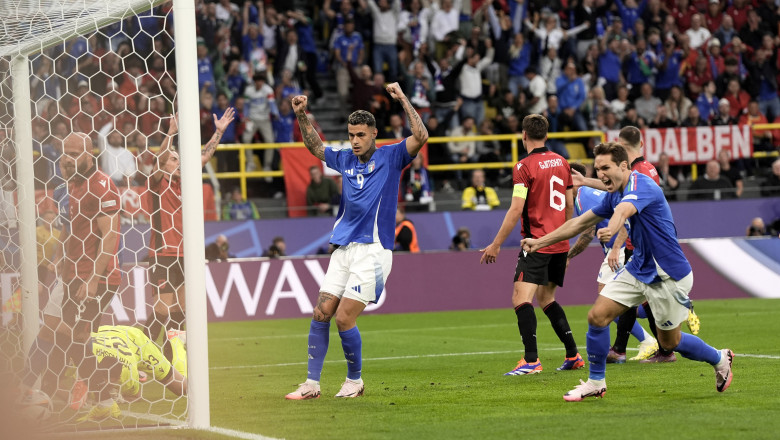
(358, 271)
(53, 306)
(605, 272)
(668, 298)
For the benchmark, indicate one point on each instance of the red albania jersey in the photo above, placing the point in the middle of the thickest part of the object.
(546, 177)
(642, 166)
(166, 218)
(90, 199)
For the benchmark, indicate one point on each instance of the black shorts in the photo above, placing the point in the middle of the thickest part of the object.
(166, 274)
(85, 315)
(628, 254)
(541, 269)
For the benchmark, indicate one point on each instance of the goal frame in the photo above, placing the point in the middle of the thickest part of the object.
(187, 101)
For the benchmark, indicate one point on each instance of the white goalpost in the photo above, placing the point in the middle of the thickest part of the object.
(135, 80)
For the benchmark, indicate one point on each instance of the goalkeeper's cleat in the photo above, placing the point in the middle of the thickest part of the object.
(657, 358)
(647, 348)
(613, 357)
(572, 363)
(102, 411)
(307, 390)
(723, 373)
(78, 395)
(352, 388)
(524, 368)
(591, 388)
(693, 321)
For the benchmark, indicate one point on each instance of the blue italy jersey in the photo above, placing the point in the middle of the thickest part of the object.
(652, 230)
(587, 199)
(63, 201)
(369, 194)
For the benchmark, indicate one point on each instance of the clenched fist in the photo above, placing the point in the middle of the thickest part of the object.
(299, 103)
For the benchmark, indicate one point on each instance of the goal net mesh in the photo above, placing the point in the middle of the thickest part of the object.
(103, 70)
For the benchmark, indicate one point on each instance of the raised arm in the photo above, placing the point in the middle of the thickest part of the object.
(419, 133)
(623, 211)
(564, 232)
(221, 124)
(310, 137)
(165, 149)
(582, 242)
(580, 180)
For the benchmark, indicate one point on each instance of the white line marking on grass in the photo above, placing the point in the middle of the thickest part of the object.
(181, 424)
(422, 356)
(237, 434)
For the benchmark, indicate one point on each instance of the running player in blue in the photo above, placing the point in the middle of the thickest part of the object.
(658, 270)
(586, 198)
(364, 234)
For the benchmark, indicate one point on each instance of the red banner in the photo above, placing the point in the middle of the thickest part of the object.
(695, 144)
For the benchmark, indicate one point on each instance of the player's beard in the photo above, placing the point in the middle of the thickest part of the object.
(365, 157)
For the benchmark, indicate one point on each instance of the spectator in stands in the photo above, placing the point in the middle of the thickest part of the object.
(647, 105)
(520, 53)
(239, 208)
(363, 87)
(594, 105)
(677, 105)
(252, 45)
(654, 15)
(461, 241)
(205, 69)
(550, 67)
(463, 151)
(729, 170)
(618, 105)
(639, 65)
(698, 77)
(757, 228)
(662, 119)
(712, 185)
(385, 35)
(571, 94)
(668, 64)
(713, 17)
(752, 32)
(307, 57)
(405, 234)
(416, 186)
(590, 12)
(284, 123)
(444, 21)
(395, 129)
(697, 33)
(287, 87)
(260, 105)
(694, 118)
(218, 250)
(762, 139)
(609, 66)
(724, 114)
(715, 59)
(771, 186)
(763, 75)
(666, 174)
(470, 82)
(479, 197)
(348, 49)
(707, 102)
(413, 26)
(322, 194)
(537, 88)
(229, 136)
(725, 31)
(737, 98)
(116, 160)
(420, 89)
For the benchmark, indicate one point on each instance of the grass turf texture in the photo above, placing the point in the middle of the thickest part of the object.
(440, 375)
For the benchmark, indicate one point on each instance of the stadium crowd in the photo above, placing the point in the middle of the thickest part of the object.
(469, 67)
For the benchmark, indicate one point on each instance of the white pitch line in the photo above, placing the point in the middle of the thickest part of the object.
(236, 434)
(177, 424)
(422, 356)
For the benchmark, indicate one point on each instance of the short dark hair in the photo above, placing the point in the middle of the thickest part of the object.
(578, 167)
(362, 117)
(613, 149)
(536, 126)
(259, 76)
(277, 239)
(631, 135)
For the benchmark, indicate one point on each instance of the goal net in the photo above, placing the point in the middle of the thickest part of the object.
(92, 284)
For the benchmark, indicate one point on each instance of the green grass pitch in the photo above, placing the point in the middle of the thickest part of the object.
(440, 376)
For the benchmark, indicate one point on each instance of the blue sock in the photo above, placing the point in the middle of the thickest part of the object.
(640, 313)
(638, 332)
(319, 333)
(597, 341)
(692, 347)
(353, 352)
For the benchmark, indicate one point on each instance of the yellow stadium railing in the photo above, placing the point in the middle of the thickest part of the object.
(243, 175)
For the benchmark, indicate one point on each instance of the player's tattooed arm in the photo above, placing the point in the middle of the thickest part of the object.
(221, 125)
(311, 139)
(326, 307)
(585, 238)
(419, 133)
